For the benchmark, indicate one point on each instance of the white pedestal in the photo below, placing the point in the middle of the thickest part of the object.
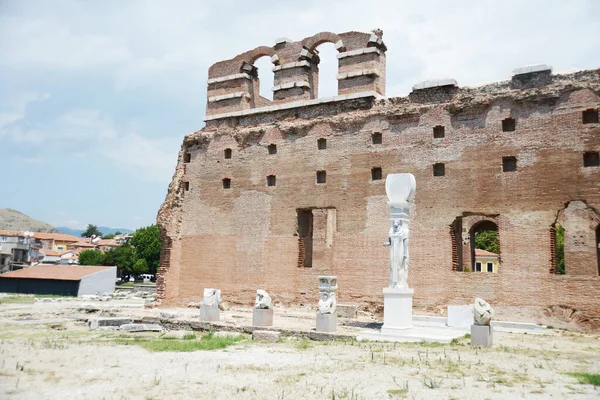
(397, 310)
(482, 335)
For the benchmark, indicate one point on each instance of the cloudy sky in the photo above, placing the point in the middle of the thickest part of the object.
(96, 95)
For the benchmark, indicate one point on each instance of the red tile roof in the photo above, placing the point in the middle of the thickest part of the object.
(51, 253)
(57, 272)
(62, 237)
(485, 253)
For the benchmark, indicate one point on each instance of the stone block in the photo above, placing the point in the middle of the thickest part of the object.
(326, 322)
(262, 317)
(482, 335)
(210, 313)
(347, 310)
(266, 336)
(141, 328)
(96, 323)
(460, 316)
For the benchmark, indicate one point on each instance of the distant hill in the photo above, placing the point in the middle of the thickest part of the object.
(13, 220)
(104, 229)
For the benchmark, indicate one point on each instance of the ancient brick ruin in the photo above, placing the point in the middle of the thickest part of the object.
(271, 194)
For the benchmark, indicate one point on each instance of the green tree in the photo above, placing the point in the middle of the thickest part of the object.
(109, 236)
(146, 242)
(487, 240)
(140, 267)
(560, 249)
(123, 257)
(91, 257)
(91, 230)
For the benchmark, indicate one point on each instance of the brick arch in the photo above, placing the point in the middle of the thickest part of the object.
(323, 37)
(257, 53)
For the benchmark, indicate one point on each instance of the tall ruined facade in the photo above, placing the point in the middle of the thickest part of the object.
(271, 194)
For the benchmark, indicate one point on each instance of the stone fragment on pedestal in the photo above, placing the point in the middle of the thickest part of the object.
(326, 316)
(482, 332)
(263, 313)
(209, 309)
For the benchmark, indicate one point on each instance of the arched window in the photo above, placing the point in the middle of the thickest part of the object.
(485, 246)
(264, 68)
(328, 70)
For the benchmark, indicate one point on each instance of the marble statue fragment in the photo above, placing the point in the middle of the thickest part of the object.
(212, 297)
(327, 294)
(482, 312)
(263, 300)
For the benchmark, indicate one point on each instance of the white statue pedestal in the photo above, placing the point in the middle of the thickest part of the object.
(397, 310)
(209, 313)
(262, 317)
(482, 335)
(326, 322)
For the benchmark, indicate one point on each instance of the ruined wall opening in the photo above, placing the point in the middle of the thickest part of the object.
(321, 176)
(591, 159)
(559, 249)
(305, 237)
(438, 132)
(509, 164)
(272, 149)
(227, 153)
(377, 138)
(264, 70)
(439, 169)
(328, 70)
(226, 183)
(509, 125)
(376, 174)
(457, 248)
(271, 180)
(589, 116)
(187, 157)
(322, 144)
(483, 236)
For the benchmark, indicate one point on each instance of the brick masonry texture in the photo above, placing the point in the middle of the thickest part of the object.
(247, 237)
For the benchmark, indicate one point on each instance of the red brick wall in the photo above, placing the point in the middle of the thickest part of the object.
(244, 238)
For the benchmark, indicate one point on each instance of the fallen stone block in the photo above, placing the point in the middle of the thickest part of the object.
(96, 323)
(227, 333)
(88, 309)
(347, 310)
(141, 328)
(167, 315)
(266, 336)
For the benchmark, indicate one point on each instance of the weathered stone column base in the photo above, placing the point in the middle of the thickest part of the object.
(482, 335)
(262, 317)
(397, 310)
(326, 322)
(209, 313)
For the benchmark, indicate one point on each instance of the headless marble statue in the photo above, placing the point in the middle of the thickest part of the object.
(398, 242)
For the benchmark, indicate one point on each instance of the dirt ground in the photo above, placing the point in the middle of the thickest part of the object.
(48, 352)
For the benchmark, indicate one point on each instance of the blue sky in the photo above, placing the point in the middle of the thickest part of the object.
(96, 96)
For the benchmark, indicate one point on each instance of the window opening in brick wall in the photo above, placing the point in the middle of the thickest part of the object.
(266, 77)
(322, 144)
(227, 153)
(484, 236)
(490, 267)
(305, 237)
(439, 132)
(187, 157)
(377, 138)
(558, 239)
(186, 186)
(272, 149)
(226, 183)
(598, 247)
(271, 180)
(591, 159)
(590, 116)
(327, 83)
(321, 176)
(439, 169)
(478, 266)
(376, 173)
(509, 164)
(509, 125)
